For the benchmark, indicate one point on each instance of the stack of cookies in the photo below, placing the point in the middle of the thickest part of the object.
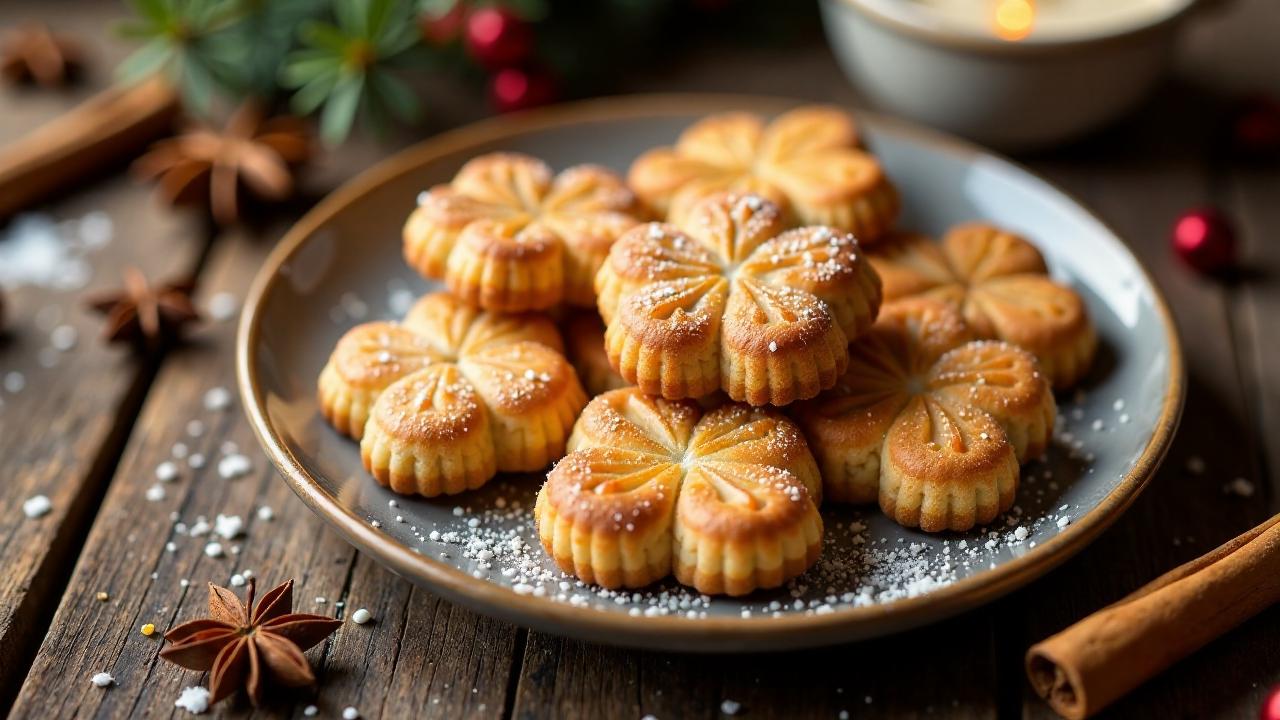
(754, 336)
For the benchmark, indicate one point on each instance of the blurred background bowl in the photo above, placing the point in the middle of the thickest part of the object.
(1011, 94)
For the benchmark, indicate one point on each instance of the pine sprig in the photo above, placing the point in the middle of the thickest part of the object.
(177, 37)
(347, 67)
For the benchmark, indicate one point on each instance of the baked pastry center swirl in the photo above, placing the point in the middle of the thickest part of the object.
(732, 302)
(806, 161)
(726, 499)
(507, 235)
(929, 423)
(1000, 284)
(451, 396)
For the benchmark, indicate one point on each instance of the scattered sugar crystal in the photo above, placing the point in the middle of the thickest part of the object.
(218, 398)
(102, 679)
(14, 381)
(310, 710)
(350, 713)
(265, 513)
(320, 600)
(155, 493)
(170, 547)
(194, 700)
(1020, 533)
(730, 707)
(1124, 418)
(1195, 465)
(234, 466)
(184, 582)
(63, 338)
(1097, 425)
(36, 506)
(1118, 405)
(213, 550)
(1063, 521)
(167, 471)
(196, 461)
(195, 428)
(361, 616)
(228, 526)
(237, 580)
(223, 306)
(773, 346)
(1241, 487)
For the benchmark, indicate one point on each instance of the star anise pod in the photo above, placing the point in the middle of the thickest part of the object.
(142, 314)
(33, 54)
(210, 166)
(244, 646)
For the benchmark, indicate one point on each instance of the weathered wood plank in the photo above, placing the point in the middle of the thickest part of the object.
(62, 434)
(896, 677)
(419, 652)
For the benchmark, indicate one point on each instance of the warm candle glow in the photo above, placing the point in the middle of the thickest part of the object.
(1013, 18)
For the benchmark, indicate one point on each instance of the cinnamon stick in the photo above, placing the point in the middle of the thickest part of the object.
(100, 133)
(1084, 668)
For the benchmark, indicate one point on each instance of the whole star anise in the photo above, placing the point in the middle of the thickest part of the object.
(142, 314)
(244, 646)
(207, 166)
(33, 54)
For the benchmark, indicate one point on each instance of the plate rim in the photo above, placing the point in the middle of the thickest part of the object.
(670, 632)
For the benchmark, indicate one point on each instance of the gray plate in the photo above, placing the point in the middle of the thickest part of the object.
(341, 265)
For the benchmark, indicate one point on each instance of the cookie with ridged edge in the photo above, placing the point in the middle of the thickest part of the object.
(929, 423)
(807, 161)
(508, 235)
(1001, 285)
(725, 499)
(733, 301)
(452, 396)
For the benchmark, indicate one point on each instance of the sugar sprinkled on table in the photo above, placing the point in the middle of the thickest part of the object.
(361, 616)
(194, 700)
(102, 679)
(36, 506)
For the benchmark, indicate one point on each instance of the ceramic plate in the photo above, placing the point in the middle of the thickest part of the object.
(341, 265)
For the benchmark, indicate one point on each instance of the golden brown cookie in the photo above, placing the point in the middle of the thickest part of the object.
(452, 396)
(807, 161)
(507, 235)
(726, 499)
(931, 424)
(1000, 283)
(731, 301)
(584, 346)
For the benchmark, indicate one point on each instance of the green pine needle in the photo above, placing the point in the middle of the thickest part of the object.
(346, 66)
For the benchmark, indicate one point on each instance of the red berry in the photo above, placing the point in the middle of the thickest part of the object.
(1204, 239)
(497, 38)
(513, 89)
(1271, 706)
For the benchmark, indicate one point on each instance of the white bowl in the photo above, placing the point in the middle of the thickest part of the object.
(1014, 95)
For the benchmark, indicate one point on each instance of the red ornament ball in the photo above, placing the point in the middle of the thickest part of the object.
(514, 89)
(496, 38)
(1271, 706)
(1204, 239)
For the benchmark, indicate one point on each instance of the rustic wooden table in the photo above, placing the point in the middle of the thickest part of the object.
(93, 423)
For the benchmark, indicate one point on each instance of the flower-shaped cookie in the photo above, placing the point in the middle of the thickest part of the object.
(930, 423)
(507, 236)
(451, 396)
(726, 498)
(807, 161)
(730, 301)
(1000, 283)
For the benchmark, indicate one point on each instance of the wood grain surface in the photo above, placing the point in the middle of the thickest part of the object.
(90, 430)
